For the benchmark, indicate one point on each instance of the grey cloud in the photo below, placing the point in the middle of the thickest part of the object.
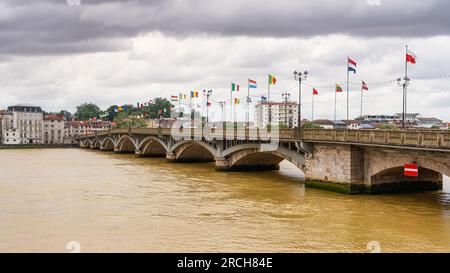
(51, 27)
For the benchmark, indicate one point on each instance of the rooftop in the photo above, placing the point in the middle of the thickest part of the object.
(54, 117)
(290, 103)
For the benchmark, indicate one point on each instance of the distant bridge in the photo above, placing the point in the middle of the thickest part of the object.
(352, 161)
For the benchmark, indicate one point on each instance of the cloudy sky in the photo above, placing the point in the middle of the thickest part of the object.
(58, 55)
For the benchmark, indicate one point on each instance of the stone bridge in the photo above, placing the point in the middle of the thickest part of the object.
(351, 161)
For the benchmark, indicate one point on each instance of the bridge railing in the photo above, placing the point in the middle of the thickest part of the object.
(438, 139)
(420, 138)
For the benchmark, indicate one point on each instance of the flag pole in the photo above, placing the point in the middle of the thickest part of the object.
(234, 112)
(312, 115)
(268, 100)
(406, 86)
(361, 114)
(335, 102)
(231, 102)
(404, 89)
(347, 88)
(247, 117)
(190, 106)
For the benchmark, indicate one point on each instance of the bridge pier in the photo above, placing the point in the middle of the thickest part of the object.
(336, 168)
(222, 164)
(171, 157)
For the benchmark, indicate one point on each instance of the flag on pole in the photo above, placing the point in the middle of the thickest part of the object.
(234, 87)
(173, 98)
(194, 94)
(272, 80)
(251, 84)
(338, 88)
(351, 66)
(237, 101)
(315, 92)
(364, 86)
(411, 57)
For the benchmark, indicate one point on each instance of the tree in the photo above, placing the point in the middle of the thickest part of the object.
(87, 111)
(123, 120)
(111, 112)
(161, 107)
(67, 115)
(311, 125)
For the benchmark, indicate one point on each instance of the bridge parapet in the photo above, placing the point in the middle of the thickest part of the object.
(430, 139)
(420, 139)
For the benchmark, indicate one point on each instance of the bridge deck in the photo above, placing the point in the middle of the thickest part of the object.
(434, 139)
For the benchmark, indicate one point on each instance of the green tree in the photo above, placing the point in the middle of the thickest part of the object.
(161, 107)
(87, 111)
(123, 120)
(67, 115)
(310, 125)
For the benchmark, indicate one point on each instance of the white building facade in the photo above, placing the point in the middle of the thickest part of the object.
(21, 124)
(283, 114)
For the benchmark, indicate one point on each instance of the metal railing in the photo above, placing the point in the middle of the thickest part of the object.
(421, 138)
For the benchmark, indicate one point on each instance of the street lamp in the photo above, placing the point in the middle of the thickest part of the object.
(208, 94)
(404, 83)
(299, 76)
(222, 106)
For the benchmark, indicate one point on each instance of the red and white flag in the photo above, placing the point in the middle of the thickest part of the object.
(411, 57)
(364, 86)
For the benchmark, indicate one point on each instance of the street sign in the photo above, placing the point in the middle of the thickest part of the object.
(411, 170)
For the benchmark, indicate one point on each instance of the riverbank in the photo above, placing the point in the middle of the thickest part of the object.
(36, 146)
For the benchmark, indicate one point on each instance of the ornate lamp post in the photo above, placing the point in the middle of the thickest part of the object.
(299, 76)
(208, 94)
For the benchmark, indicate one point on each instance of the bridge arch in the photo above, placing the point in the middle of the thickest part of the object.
(85, 143)
(193, 151)
(387, 175)
(153, 146)
(95, 144)
(126, 144)
(255, 157)
(107, 144)
(425, 163)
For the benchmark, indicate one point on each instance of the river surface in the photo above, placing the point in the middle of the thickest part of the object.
(110, 203)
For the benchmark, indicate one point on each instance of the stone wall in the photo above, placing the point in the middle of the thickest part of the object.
(354, 169)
